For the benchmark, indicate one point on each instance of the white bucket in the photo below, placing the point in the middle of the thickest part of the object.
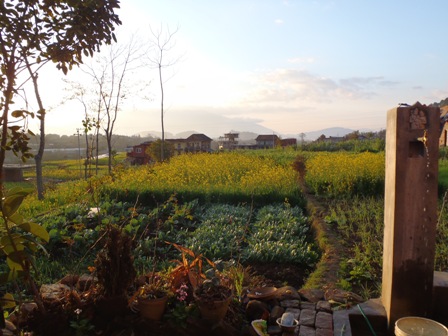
(419, 326)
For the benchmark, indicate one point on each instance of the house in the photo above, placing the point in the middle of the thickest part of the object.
(198, 143)
(288, 142)
(195, 143)
(179, 145)
(137, 155)
(267, 141)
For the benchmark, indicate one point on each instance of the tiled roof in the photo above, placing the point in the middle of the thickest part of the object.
(266, 137)
(198, 137)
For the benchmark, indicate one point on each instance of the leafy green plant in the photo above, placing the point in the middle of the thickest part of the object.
(280, 234)
(222, 231)
(157, 285)
(237, 274)
(179, 314)
(216, 286)
(359, 222)
(19, 241)
(82, 326)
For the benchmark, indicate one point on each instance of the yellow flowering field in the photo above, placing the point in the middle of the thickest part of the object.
(219, 177)
(343, 174)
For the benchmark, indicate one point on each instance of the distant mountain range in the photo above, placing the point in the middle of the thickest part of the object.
(248, 136)
(329, 132)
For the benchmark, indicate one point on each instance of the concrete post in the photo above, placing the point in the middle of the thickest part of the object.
(410, 213)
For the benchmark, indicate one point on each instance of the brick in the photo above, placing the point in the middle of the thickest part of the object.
(307, 317)
(324, 332)
(324, 306)
(324, 320)
(307, 305)
(307, 331)
(290, 303)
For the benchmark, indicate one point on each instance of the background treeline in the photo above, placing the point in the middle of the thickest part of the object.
(120, 142)
(72, 147)
(355, 141)
(66, 147)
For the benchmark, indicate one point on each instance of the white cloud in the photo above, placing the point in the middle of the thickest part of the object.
(296, 60)
(285, 87)
(279, 21)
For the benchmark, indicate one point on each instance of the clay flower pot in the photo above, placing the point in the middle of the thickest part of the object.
(213, 308)
(152, 309)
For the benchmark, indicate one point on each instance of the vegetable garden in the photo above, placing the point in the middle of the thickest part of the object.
(245, 208)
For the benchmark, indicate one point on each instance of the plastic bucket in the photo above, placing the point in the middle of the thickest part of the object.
(419, 326)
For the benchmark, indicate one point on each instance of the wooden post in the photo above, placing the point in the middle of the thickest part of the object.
(410, 213)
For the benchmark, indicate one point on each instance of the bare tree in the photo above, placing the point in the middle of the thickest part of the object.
(109, 75)
(80, 93)
(163, 43)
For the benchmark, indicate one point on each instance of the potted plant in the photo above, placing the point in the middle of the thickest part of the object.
(213, 296)
(152, 296)
(189, 268)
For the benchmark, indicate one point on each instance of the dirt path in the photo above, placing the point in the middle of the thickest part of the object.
(326, 274)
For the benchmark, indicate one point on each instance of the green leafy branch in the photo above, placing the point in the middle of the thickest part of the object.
(19, 241)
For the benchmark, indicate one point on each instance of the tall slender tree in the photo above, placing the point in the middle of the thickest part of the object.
(81, 93)
(163, 43)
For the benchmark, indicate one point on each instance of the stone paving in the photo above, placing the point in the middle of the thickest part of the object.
(315, 318)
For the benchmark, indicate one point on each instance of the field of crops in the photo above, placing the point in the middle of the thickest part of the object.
(227, 205)
(217, 178)
(250, 200)
(345, 174)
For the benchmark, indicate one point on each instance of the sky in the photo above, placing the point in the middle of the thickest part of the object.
(274, 66)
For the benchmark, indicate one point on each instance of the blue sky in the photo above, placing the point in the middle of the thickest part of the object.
(286, 66)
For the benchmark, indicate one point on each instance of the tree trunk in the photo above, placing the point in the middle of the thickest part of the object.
(4, 120)
(162, 144)
(97, 150)
(109, 150)
(40, 153)
(86, 162)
